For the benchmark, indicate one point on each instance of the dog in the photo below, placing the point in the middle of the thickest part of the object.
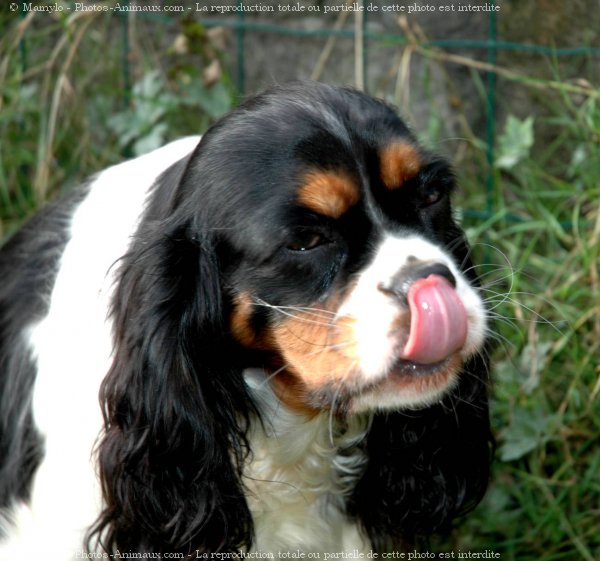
(268, 339)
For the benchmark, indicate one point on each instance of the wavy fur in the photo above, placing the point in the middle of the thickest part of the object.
(238, 409)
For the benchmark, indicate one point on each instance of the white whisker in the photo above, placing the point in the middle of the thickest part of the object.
(305, 313)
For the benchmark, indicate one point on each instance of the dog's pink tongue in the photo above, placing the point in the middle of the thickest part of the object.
(438, 321)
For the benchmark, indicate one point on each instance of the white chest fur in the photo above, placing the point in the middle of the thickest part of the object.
(299, 475)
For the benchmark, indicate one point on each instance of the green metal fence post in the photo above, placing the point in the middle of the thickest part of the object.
(239, 36)
(491, 112)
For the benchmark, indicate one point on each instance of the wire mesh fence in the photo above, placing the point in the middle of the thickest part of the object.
(247, 18)
(363, 38)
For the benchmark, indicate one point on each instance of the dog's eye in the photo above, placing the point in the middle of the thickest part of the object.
(305, 241)
(432, 194)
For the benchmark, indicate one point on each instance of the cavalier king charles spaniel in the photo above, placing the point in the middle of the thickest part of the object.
(267, 340)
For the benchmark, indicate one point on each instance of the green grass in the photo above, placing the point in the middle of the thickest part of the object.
(62, 118)
(541, 252)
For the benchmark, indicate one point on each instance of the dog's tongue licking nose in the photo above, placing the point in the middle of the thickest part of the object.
(438, 321)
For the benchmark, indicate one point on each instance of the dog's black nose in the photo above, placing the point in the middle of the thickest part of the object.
(399, 284)
(426, 269)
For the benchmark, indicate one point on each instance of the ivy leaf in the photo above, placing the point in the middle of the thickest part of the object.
(528, 431)
(515, 142)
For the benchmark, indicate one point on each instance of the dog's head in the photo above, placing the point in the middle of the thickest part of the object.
(309, 234)
(339, 252)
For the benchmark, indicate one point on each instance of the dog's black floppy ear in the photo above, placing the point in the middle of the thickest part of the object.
(175, 403)
(426, 467)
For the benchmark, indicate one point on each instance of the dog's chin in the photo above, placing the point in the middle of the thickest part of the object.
(408, 385)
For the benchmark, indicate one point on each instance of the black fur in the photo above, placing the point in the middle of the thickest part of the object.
(177, 409)
(426, 467)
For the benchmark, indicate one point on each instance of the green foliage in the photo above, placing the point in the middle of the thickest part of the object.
(147, 123)
(542, 255)
(143, 123)
(515, 142)
(84, 105)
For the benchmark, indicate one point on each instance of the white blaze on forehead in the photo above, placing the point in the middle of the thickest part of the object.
(377, 314)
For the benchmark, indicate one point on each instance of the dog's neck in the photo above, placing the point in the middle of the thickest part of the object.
(300, 473)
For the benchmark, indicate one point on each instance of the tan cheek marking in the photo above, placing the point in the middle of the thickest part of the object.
(318, 351)
(291, 391)
(398, 163)
(328, 193)
(240, 324)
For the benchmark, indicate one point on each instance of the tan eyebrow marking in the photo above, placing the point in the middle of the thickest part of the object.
(328, 193)
(398, 162)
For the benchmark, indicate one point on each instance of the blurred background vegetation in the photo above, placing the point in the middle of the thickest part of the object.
(512, 98)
